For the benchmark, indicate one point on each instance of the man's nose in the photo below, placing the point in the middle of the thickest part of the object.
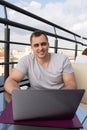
(40, 47)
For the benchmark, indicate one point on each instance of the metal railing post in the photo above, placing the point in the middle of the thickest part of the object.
(6, 47)
(6, 52)
(56, 46)
(76, 48)
(56, 42)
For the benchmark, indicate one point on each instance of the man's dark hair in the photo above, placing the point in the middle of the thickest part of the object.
(37, 33)
(84, 52)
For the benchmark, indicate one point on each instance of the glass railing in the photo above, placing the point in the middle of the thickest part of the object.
(61, 39)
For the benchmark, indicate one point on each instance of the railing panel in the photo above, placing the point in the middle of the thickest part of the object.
(61, 39)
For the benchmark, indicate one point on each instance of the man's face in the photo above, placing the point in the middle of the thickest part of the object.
(40, 46)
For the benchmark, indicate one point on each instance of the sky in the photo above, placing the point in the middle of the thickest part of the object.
(70, 14)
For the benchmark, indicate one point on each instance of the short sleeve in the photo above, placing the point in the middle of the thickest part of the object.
(22, 65)
(67, 67)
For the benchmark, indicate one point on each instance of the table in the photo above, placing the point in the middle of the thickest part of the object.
(5, 99)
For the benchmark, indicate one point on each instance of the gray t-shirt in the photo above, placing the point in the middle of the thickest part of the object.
(45, 78)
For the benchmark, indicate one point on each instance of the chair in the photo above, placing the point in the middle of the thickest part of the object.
(81, 79)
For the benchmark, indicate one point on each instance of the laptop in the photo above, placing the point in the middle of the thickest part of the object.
(45, 104)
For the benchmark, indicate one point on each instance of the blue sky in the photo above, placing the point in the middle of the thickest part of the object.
(70, 14)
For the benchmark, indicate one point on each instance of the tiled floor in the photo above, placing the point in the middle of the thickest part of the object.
(82, 113)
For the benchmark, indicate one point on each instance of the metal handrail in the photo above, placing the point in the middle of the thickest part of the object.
(11, 6)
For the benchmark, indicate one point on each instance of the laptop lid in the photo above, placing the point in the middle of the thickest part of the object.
(45, 104)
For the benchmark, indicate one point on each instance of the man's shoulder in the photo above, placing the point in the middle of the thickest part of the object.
(28, 56)
(59, 55)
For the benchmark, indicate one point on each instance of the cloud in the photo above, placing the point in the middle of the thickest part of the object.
(68, 14)
(35, 4)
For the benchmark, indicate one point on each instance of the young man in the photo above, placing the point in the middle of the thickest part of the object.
(45, 70)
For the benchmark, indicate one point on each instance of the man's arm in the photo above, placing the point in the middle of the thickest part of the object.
(12, 81)
(69, 81)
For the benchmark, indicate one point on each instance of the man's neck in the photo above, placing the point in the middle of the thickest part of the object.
(44, 62)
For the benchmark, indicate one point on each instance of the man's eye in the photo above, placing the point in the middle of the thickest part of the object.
(43, 44)
(36, 45)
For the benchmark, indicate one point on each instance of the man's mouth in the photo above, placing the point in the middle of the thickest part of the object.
(41, 52)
